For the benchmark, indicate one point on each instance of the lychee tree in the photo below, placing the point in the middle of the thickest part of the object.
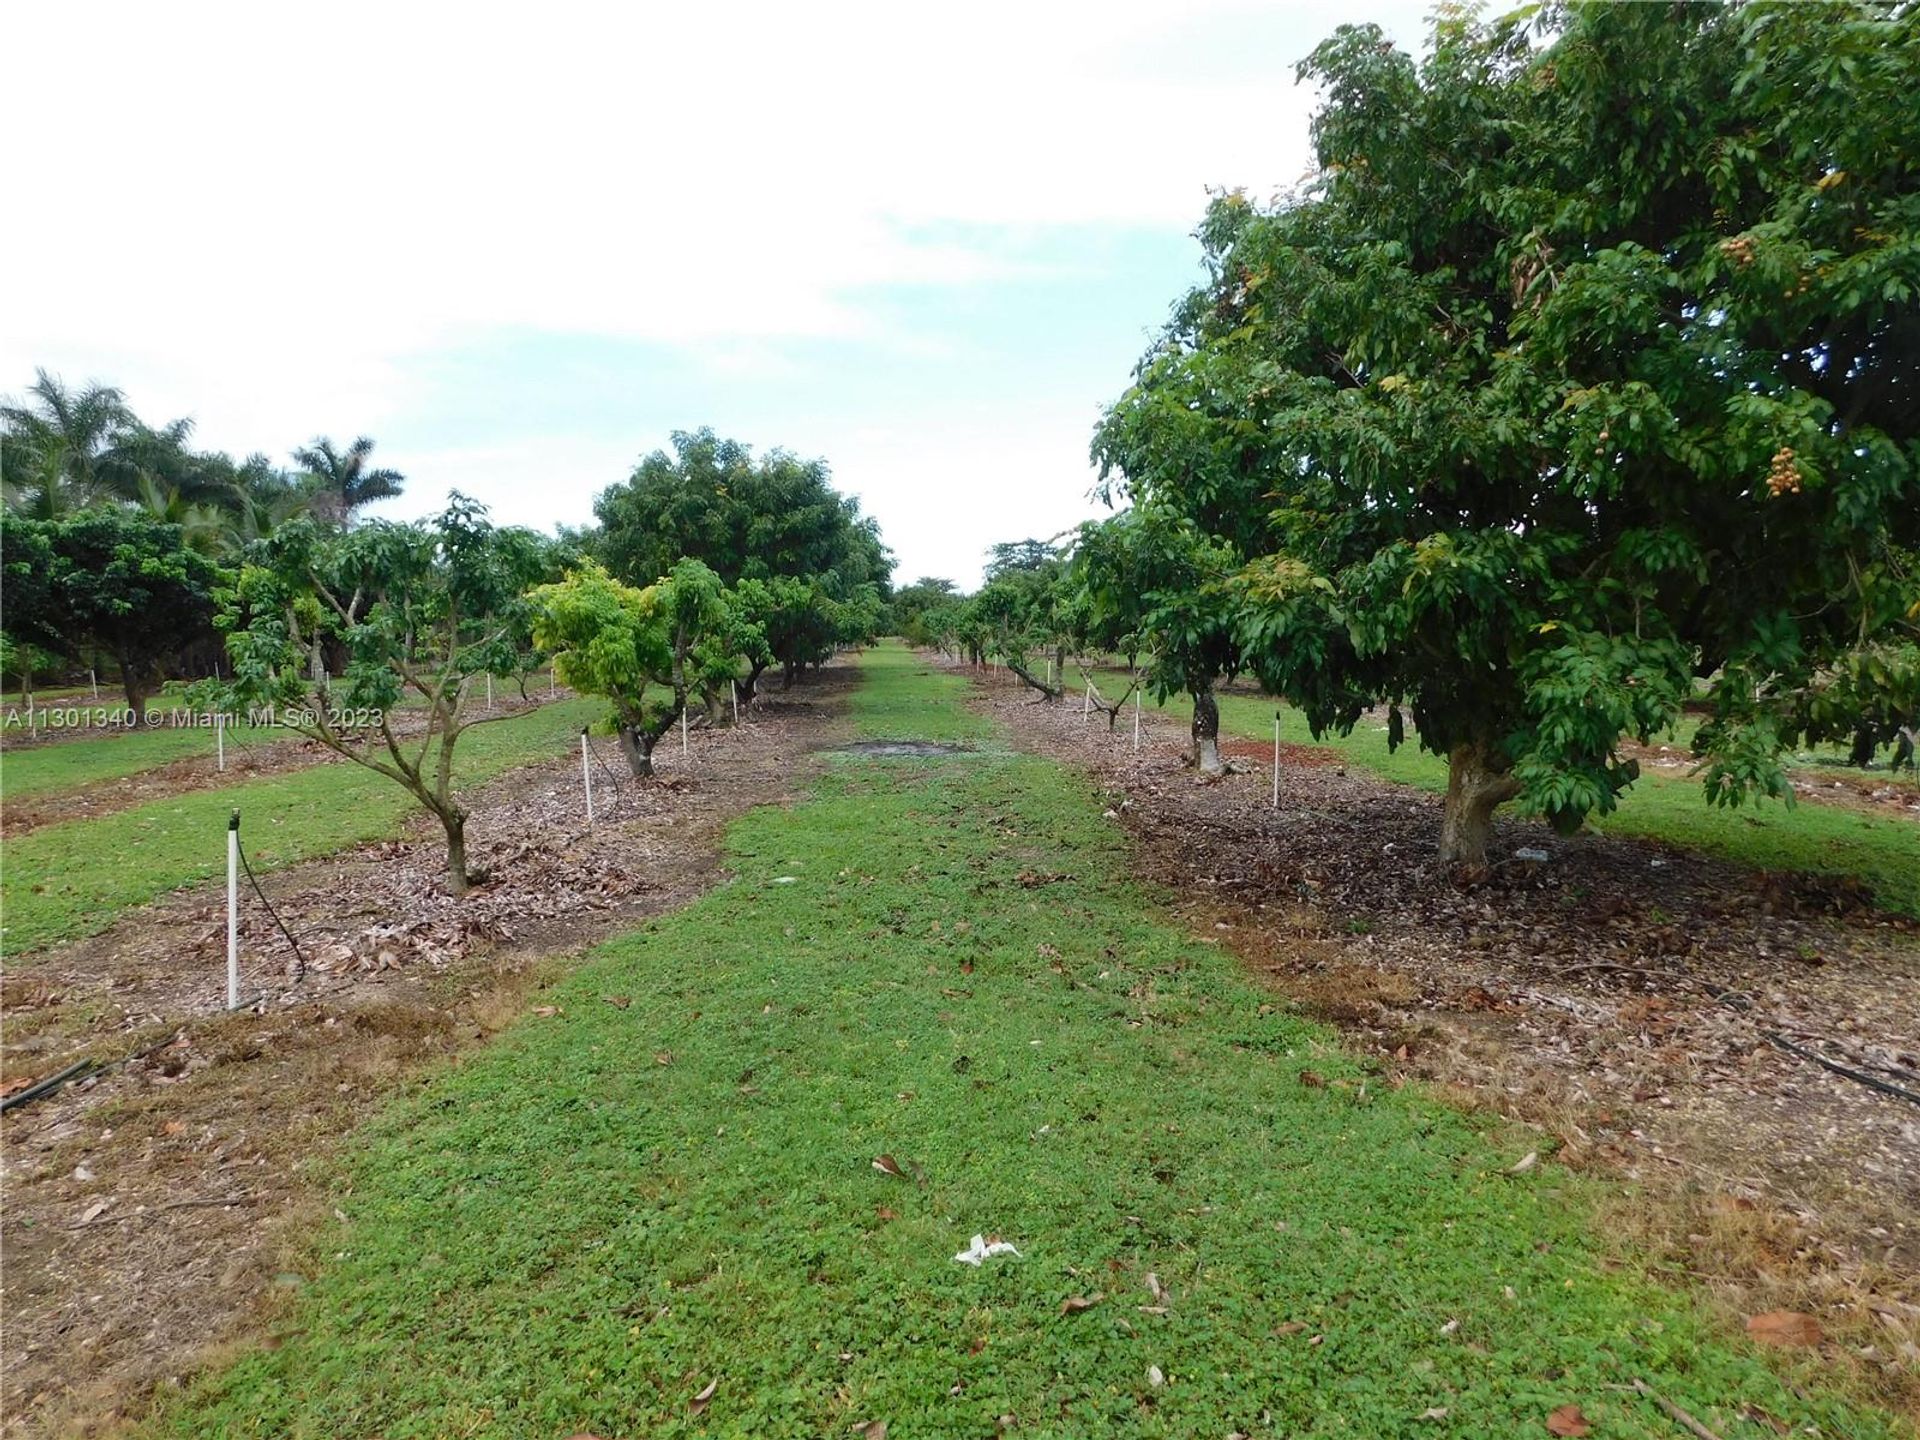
(1583, 381)
(1152, 583)
(646, 650)
(424, 613)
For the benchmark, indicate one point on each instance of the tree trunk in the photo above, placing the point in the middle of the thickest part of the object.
(1206, 731)
(1027, 677)
(454, 820)
(638, 748)
(786, 674)
(137, 691)
(1865, 742)
(1477, 785)
(751, 685)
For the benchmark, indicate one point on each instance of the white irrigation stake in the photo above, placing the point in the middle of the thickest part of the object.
(219, 740)
(1276, 759)
(586, 774)
(94, 680)
(233, 911)
(734, 686)
(551, 692)
(489, 691)
(1136, 718)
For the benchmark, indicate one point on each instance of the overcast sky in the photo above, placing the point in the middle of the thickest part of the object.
(520, 245)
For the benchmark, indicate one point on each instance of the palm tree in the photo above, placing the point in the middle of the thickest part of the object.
(204, 526)
(341, 480)
(262, 504)
(63, 449)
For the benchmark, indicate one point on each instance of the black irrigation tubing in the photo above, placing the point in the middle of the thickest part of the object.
(50, 1084)
(1779, 1041)
(613, 776)
(298, 953)
(1739, 1000)
(80, 1070)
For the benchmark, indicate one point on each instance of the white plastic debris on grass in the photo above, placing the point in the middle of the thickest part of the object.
(978, 1249)
(785, 879)
(1528, 852)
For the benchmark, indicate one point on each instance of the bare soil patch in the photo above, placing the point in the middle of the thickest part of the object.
(159, 1209)
(901, 749)
(1617, 997)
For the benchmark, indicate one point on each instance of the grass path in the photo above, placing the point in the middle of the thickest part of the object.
(620, 1208)
(1882, 851)
(109, 753)
(27, 771)
(67, 880)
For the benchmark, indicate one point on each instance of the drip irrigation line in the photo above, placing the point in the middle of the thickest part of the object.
(1740, 1000)
(80, 1070)
(299, 955)
(1780, 1042)
(48, 1085)
(613, 776)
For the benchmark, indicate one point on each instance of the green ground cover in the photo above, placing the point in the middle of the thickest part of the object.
(662, 1217)
(65, 765)
(112, 754)
(74, 878)
(1882, 851)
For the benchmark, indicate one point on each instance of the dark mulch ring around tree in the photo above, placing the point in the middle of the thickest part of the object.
(1617, 996)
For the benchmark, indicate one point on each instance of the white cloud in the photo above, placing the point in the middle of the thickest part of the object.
(260, 214)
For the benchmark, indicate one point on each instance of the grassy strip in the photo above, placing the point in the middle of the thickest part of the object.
(70, 764)
(115, 753)
(1882, 851)
(622, 1207)
(73, 879)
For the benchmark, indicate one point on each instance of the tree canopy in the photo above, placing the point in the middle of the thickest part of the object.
(646, 650)
(1579, 378)
(113, 581)
(712, 501)
(422, 611)
(820, 571)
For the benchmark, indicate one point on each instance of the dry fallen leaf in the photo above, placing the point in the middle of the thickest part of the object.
(1155, 1377)
(1526, 1163)
(1312, 1078)
(886, 1213)
(546, 1010)
(699, 1402)
(1291, 1327)
(1568, 1420)
(1074, 1304)
(1785, 1327)
(619, 1002)
(1156, 1289)
(663, 1057)
(871, 1430)
(174, 1127)
(887, 1165)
